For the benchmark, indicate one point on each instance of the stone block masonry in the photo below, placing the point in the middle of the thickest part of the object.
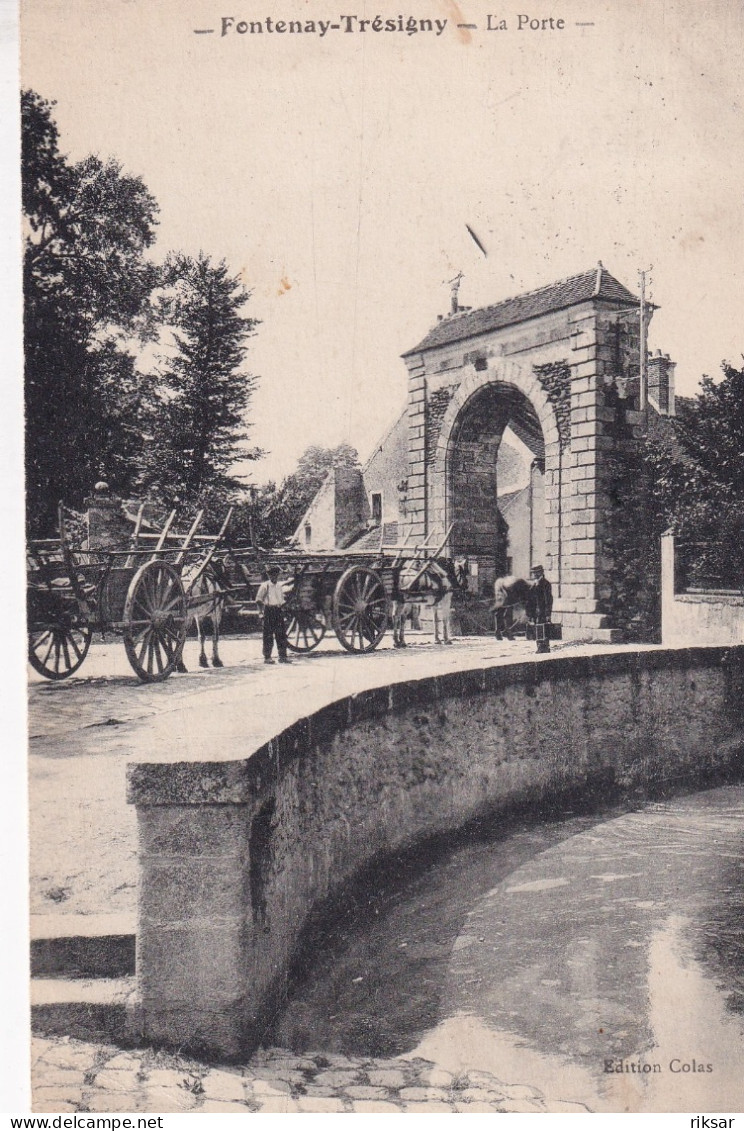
(237, 854)
(560, 366)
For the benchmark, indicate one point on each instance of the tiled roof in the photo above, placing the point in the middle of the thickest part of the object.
(596, 284)
(366, 540)
(510, 498)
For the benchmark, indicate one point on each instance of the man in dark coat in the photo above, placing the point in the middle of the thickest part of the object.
(539, 607)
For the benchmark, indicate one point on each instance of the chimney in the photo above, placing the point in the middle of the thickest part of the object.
(351, 504)
(660, 370)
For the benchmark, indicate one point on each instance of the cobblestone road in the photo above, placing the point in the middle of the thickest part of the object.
(71, 1076)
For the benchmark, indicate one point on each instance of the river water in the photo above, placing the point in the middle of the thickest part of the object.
(598, 958)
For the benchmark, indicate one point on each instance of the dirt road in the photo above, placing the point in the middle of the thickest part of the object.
(85, 730)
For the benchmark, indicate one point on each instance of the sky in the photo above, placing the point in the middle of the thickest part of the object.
(336, 175)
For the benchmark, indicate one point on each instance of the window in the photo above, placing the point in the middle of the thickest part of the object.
(308, 533)
(376, 507)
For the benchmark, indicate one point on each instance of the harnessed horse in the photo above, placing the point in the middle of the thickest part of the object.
(206, 598)
(431, 584)
(509, 592)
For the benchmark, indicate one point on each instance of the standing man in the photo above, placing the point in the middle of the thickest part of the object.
(270, 600)
(539, 607)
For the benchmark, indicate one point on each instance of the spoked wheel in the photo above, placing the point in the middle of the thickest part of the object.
(155, 621)
(305, 629)
(58, 647)
(360, 609)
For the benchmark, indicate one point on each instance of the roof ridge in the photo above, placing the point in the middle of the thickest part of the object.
(537, 290)
(592, 271)
(386, 436)
(595, 284)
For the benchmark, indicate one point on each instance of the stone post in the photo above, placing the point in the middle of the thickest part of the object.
(667, 584)
(108, 526)
(586, 588)
(194, 926)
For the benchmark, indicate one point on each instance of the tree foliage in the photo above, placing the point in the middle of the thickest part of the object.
(279, 509)
(711, 430)
(687, 475)
(93, 300)
(199, 395)
(699, 482)
(86, 295)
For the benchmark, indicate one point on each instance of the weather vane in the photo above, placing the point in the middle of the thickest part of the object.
(454, 285)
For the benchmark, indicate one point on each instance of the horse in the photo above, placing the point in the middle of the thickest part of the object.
(206, 597)
(442, 609)
(430, 585)
(509, 592)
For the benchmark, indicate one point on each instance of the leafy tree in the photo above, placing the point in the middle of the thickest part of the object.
(686, 474)
(699, 482)
(711, 428)
(635, 522)
(86, 291)
(279, 509)
(199, 395)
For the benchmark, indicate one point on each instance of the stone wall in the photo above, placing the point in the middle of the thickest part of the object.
(387, 469)
(320, 517)
(706, 618)
(236, 854)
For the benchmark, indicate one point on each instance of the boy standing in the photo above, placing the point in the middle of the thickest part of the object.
(270, 600)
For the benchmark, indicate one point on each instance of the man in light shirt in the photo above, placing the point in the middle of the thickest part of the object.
(270, 599)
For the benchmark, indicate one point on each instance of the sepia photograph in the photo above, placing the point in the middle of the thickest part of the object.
(402, 347)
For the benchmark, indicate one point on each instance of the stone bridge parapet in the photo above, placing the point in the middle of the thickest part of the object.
(237, 854)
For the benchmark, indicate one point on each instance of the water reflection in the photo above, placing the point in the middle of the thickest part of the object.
(372, 981)
(552, 952)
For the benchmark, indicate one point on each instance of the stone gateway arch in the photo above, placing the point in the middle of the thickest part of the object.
(560, 367)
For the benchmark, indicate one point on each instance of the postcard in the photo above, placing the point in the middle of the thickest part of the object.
(398, 345)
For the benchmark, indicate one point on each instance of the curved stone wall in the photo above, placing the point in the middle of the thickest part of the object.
(235, 855)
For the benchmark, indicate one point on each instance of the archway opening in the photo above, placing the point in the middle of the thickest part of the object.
(495, 479)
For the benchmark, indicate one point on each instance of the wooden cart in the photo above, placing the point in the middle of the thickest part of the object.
(142, 592)
(349, 591)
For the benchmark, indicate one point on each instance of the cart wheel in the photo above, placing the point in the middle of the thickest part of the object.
(305, 629)
(360, 609)
(57, 648)
(155, 621)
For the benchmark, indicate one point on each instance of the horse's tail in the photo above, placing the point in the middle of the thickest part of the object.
(508, 591)
(501, 590)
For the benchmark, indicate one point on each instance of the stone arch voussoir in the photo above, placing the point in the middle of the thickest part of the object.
(511, 374)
